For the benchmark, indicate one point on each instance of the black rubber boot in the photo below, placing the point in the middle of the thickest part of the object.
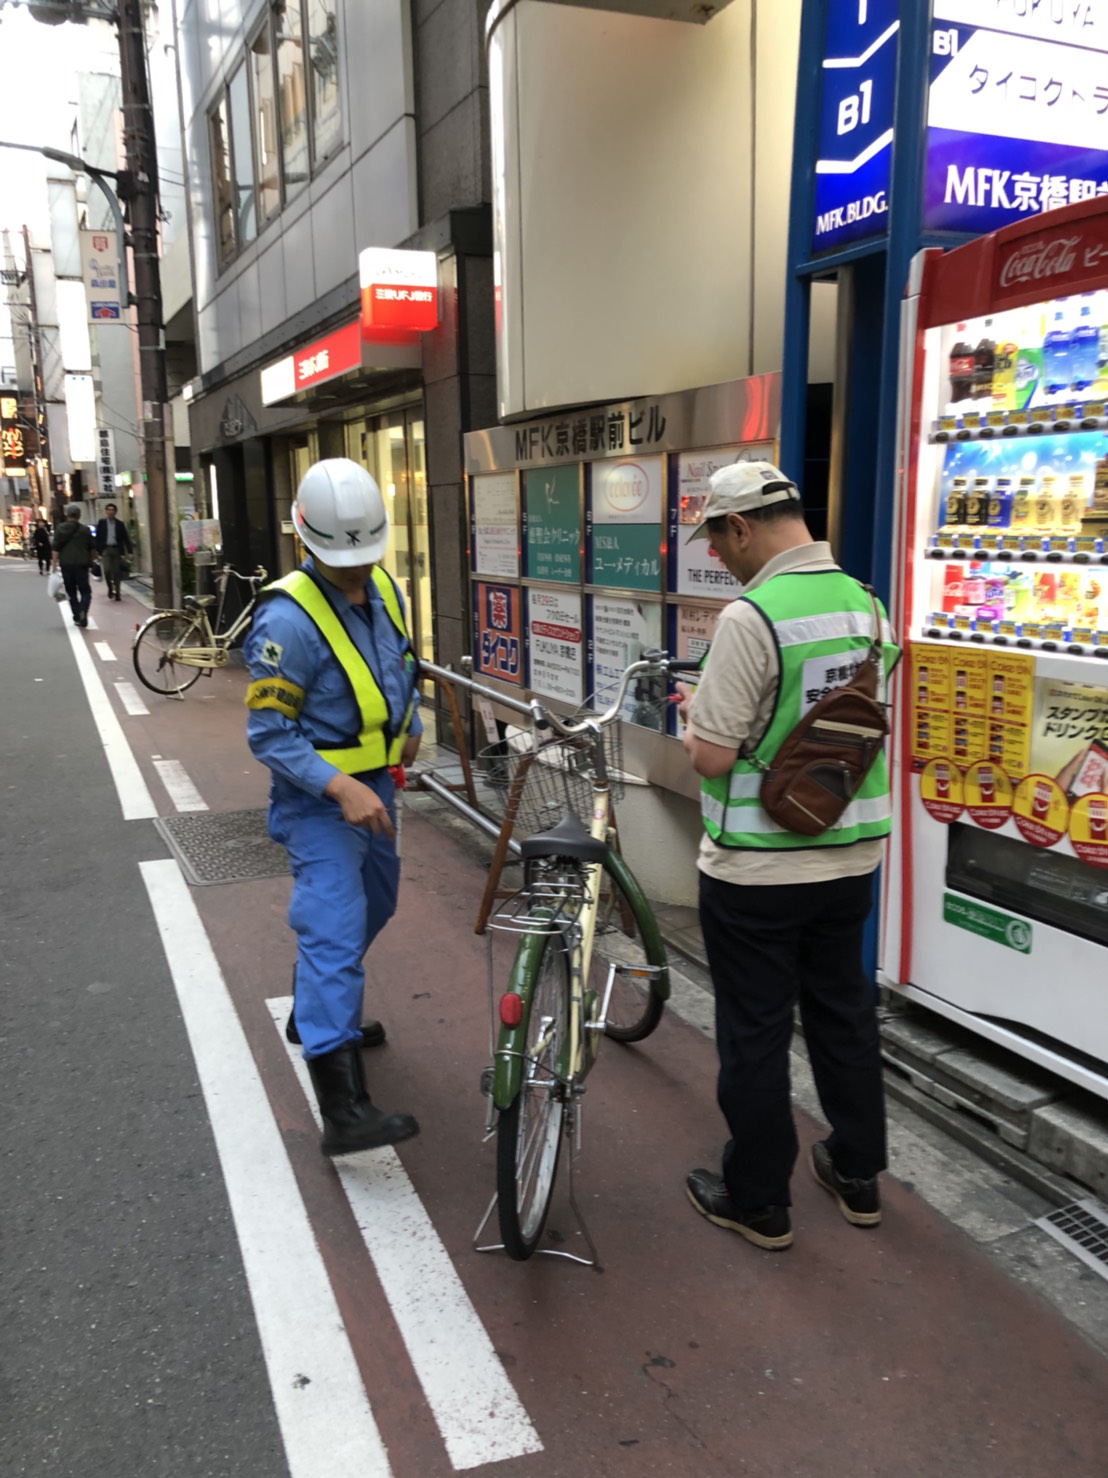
(350, 1119)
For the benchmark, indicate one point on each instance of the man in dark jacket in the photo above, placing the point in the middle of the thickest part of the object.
(112, 543)
(40, 542)
(73, 547)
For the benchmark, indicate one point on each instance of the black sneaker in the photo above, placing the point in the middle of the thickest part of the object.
(765, 1226)
(859, 1200)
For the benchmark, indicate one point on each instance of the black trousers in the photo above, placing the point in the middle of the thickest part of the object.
(769, 949)
(76, 581)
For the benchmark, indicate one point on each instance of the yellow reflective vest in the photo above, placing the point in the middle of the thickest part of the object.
(375, 745)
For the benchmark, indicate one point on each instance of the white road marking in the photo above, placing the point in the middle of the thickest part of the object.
(478, 1413)
(92, 626)
(325, 1418)
(182, 792)
(134, 798)
(129, 697)
(104, 652)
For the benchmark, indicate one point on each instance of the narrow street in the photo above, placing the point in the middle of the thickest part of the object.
(192, 1289)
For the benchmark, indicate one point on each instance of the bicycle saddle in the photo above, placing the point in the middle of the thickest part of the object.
(568, 839)
(198, 602)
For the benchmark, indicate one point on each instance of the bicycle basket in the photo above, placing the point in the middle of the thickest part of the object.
(545, 782)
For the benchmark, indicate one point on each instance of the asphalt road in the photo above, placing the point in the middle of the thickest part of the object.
(190, 1288)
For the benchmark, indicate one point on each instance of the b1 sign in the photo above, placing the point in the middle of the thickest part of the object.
(1017, 115)
(400, 292)
(858, 87)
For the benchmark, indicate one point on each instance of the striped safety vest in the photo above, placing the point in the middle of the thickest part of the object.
(822, 625)
(376, 744)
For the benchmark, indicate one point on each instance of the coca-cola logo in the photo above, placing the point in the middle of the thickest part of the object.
(1038, 259)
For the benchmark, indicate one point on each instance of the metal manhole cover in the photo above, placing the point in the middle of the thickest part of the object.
(1082, 1228)
(224, 847)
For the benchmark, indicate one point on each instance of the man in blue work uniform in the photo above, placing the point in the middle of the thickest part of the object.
(332, 703)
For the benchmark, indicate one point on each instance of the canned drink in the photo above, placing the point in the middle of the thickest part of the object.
(1040, 799)
(1098, 818)
(942, 781)
(986, 784)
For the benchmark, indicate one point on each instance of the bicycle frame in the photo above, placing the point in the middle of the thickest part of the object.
(213, 653)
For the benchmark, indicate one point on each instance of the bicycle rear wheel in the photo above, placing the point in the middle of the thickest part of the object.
(627, 933)
(529, 1130)
(165, 633)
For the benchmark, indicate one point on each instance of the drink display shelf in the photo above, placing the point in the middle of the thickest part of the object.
(1045, 421)
(1040, 636)
(995, 544)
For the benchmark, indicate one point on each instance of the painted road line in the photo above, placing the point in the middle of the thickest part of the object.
(326, 1423)
(134, 798)
(104, 652)
(129, 697)
(92, 626)
(478, 1414)
(182, 792)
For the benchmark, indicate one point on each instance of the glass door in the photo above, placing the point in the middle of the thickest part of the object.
(392, 447)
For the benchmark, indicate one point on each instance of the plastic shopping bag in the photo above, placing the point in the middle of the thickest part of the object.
(55, 585)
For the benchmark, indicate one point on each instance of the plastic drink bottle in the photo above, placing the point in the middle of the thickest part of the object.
(1100, 487)
(954, 512)
(1071, 504)
(1000, 504)
(1023, 506)
(1045, 517)
(1056, 355)
(961, 367)
(977, 503)
(1084, 349)
(984, 360)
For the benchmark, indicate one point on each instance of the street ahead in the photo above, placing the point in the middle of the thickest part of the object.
(190, 1288)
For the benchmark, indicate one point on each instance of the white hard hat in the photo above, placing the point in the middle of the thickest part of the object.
(340, 514)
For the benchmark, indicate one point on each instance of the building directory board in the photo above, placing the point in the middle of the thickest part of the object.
(1017, 116)
(693, 568)
(552, 523)
(494, 533)
(625, 524)
(620, 630)
(857, 97)
(497, 631)
(555, 644)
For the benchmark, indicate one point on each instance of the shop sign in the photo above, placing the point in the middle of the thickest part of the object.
(494, 533)
(1017, 118)
(555, 645)
(100, 269)
(552, 524)
(335, 354)
(620, 631)
(1053, 263)
(105, 461)
(857, 95)
(988, 923)
(625, 524)
(400, 291)
(498, 634)
(13, 442)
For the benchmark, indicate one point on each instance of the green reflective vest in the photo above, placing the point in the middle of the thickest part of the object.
(822, 624)
(375, 745)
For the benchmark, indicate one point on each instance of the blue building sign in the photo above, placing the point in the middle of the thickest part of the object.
(858, 91)
(1017, 116)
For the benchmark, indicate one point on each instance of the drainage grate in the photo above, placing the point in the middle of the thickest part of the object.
(224, 847)
(1082, 1228)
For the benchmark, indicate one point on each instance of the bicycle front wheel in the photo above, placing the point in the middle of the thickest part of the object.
(156, 644)
(529, 1131)
(627, 935)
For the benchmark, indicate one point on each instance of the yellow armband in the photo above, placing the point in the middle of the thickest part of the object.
(275, 692)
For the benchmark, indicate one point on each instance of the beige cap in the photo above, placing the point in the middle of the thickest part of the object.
(741, 487)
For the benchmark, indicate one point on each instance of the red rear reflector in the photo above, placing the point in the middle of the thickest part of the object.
(511, 1009)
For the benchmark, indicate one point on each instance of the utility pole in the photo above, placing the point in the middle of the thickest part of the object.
(142, 167)
(46, 496)
(138, 186)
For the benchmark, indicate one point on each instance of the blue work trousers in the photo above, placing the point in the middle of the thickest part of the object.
(344, 888)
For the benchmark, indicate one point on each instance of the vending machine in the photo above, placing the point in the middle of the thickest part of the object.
(995, 906)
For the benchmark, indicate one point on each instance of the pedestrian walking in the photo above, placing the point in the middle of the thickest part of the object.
(782, 914)
(113, 543)
(40, 543)
(333, 704)
(74, 550)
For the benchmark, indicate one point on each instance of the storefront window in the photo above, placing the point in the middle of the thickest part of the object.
(267, 164)
(222, 194)
(290, 88)
(323, 50)
(238, 96)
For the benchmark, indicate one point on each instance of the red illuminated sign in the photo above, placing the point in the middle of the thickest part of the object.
(334, 354)
(400, 291)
